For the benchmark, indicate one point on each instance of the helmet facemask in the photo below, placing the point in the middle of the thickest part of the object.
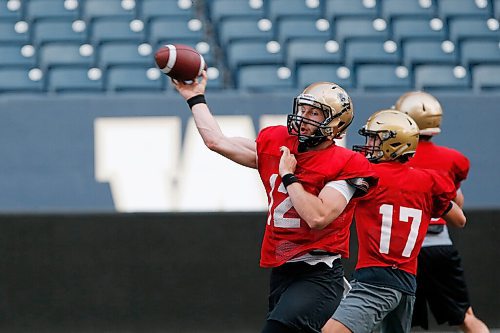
(373, 143)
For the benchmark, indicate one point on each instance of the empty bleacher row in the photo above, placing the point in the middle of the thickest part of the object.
(108, 45)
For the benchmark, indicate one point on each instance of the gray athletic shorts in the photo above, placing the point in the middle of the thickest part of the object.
(369, 306)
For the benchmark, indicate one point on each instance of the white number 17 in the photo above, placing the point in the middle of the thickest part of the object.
(404, 214)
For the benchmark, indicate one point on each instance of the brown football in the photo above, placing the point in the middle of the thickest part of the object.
(180, 62)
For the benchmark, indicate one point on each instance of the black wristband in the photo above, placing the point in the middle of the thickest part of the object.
(288, 179)
(196, 100)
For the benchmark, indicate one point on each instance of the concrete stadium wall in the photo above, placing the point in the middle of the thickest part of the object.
(49, 149)
(190, 272)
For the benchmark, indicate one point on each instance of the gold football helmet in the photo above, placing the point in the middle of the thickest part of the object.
(424, 108)
(336, 106)
(390, 135)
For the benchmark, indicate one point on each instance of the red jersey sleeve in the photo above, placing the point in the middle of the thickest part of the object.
(443, 192)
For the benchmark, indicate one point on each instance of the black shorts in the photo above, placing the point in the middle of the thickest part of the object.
(303, 296)
(441, 285)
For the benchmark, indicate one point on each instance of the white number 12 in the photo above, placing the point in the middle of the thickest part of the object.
(404, 214)
(278, 217)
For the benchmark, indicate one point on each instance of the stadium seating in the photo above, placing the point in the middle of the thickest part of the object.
(11, 13)
(441, 78)
(486, 78)
(164, 8)
(466, 28)
(351, 28)
(115, 29)
(302, 28)
(107, 8)
(16, 79)
(477, 51)
(126, 79)
(64, 54)
(391, 9)
(12, 56)
(44, 9)
(279, 9)
(233, 29)
(169, 30)
(335, 9)
(122, 53)
(427, 52)
(497, 9)
(263, 78)
(369, 51)
(382, 78)
(311, 51)
(57, 30)
(309, 73)
(14, 31)
(252, 53)
(453, 8)
(223, 9)
(404, 28)
(74, 80)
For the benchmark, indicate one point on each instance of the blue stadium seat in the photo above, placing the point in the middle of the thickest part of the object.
(73, 79)
(8, 33)
(473, 52)
(465, 28)
(279, 9)
(486, 78)
(233, 29)
(497, 9)
(335, 9)
(12, 56)
(452, 8)
(170, 8)
(122, 53)
(406, 8)
(310, 73)
(114, 29)
(404, 28)
(440, 78)
(57, 30)
(16, 79)
(223, 9)
(369, 52)
(311, 51)
(43, 9)
(169, 31)
(426, 51)
(106, 8)
(381, 78)
(350, 28)
(305, 28)
(10, 13)
(251, 53)
(126, 79)
(63, 54)
(262, 78)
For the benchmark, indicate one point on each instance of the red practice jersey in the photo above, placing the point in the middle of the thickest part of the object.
(392, 220)
(432, 156)
(287, 235)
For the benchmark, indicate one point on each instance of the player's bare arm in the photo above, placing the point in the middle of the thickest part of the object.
(240, 150)
(459, 199)
(455, 216)
(317, 211)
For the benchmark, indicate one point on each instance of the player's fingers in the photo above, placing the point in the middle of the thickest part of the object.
(285, 150)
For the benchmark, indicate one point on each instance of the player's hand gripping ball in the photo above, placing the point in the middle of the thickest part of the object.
(180, 62)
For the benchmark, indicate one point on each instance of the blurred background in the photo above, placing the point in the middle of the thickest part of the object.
(114, 217)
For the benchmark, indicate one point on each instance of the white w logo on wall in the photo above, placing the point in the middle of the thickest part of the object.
(149, 170)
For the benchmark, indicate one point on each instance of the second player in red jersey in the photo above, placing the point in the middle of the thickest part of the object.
(391, 224)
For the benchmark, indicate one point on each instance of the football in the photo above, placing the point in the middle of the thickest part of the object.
(180, 62)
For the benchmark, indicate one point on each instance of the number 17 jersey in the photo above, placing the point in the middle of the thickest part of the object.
(392, 220)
